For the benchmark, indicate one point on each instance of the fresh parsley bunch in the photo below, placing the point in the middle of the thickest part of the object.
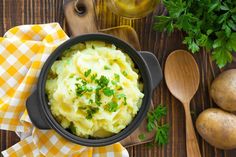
(154, 123)
(210, 24)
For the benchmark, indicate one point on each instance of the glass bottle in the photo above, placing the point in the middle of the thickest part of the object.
(132, 8)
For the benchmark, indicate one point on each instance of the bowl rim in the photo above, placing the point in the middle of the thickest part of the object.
(143, 70)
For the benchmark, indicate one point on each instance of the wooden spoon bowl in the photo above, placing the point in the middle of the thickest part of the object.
(182, 78)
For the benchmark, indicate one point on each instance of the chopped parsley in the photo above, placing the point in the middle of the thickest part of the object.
(84, 82)
(117, 77)
(93, 77)
(103, 81)
(107, 67)
(124, 73)
(89, 89)
(90, 101)
(108, 91)
(102, 87)
(77, 78)
(87, 73)
(81, 89)
(112, 106)
(81, 108)
(98, 97)
(113, 82)
(91, 112)
(72, 75)
(125, 99)
(119, 96)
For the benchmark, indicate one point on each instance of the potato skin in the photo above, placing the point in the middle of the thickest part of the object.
(218, 128)
(223, 90)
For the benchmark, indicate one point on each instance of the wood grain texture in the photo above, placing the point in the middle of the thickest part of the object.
(182, 79)
(87, 22)
(80, 16)
(17, 12)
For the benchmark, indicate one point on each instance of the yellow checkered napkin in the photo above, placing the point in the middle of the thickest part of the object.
(23, 50)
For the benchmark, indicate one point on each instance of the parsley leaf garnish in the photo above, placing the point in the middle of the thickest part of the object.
(113, 82)
(117, 77)
(108, 91)
(142, 137)
(154, 123)
(80, 89)
(87, 73)
(103, 81)
(111, 106)
(121, 96)
(84, 82)
(91, 112)
(93, 77)
(90, 101)
(78, 78)
(207, 24)
(98, 97)
(72, 75)
(107, 67)
(161, 136)
(124, 73)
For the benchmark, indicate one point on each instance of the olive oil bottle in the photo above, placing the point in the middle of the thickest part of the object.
(132, 8)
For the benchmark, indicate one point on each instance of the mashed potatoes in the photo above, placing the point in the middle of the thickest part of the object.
(93, 90)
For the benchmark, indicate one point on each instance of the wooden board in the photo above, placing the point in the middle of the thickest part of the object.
(17, 12)
(78, 24)
(86, 23)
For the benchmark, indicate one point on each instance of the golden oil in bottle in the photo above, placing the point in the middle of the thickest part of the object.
(132, 8)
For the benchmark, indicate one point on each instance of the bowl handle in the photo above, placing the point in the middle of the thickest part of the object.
(153, 66)
(35, 112)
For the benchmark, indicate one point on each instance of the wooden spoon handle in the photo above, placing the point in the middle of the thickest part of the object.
(191, 140)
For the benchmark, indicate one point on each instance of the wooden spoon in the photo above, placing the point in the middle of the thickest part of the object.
(182, 79)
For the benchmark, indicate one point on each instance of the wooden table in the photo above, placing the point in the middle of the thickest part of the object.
(17, 12)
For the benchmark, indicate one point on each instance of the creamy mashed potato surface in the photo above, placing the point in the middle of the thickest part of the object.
(94, 90)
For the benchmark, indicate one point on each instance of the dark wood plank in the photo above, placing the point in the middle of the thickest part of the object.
(17, 12)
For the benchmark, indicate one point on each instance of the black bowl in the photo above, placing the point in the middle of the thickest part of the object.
(37, 104)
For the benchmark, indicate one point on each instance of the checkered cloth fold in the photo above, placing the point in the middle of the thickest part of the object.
(23, 50)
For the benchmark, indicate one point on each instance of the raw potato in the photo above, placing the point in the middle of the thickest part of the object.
(218, 128)
(223, 90)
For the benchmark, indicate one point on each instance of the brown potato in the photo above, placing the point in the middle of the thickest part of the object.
(223, 90)
(218, 128)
